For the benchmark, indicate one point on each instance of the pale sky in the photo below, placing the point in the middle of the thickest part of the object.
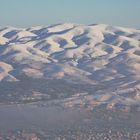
(25, 13)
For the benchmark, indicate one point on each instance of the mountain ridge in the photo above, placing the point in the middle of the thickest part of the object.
(95, 54)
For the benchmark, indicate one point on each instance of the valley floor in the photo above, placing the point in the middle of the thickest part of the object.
(37, 121)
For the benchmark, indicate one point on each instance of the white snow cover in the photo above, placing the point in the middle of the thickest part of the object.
(95, 54)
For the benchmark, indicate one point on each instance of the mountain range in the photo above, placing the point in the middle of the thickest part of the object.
(98, 55)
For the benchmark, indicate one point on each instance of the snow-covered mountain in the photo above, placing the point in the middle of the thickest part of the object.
(99, 55)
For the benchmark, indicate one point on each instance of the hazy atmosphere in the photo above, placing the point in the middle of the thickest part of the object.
(25, 13)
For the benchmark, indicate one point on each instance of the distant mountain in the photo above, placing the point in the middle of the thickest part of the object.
(98, 55)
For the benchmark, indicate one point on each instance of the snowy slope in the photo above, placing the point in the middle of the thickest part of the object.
(101, 55)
